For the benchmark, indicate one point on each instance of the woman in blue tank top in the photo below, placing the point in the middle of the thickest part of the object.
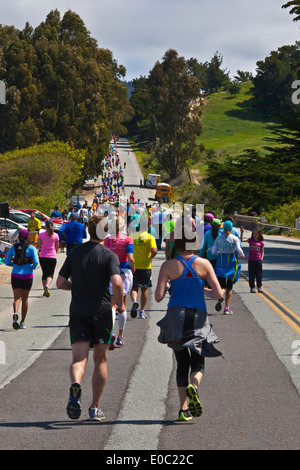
(185, 327)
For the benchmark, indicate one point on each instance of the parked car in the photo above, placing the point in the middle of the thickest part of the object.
(19, 217)
(9, 230)
(57, 222)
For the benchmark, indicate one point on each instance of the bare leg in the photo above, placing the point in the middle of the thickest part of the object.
(100, 373)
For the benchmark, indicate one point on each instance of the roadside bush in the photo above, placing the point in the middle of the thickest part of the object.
(41, 176)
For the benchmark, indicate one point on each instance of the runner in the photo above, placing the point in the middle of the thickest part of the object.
(144, 250)
(91, 266)
(74, 232)
(255, 258)
(185, 327)
(122, 246)
(227, 266)
(47, 246)
(34, 225)
(23, 258)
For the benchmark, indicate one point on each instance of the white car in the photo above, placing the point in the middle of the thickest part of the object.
(19, 217)
(9, 230)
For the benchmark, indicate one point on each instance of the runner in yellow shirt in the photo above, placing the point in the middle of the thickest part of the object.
(34, 225)
(144, 250)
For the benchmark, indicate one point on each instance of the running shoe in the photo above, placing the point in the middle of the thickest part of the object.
(112, 343)
(253, 290)
(22, 325)
(218, 305)
(46, 291)
(95, 414)
(74, 406)
(184, 415)
(195, 406)
(260, 290)
(227, 311)
(133, 311)
(15, 324)
(142, 314)
(120, 342)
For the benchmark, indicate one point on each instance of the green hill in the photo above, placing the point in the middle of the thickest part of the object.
(231, 124)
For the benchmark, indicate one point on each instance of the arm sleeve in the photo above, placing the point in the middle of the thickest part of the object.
(34, 257)
(152, 242)
(129, 247)
(9, 256)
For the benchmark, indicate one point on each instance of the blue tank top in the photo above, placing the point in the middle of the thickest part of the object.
(187, 291)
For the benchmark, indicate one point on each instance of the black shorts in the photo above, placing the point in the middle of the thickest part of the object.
(95, 330)
(225, 283)
(142, 278)
(48, 267)
(18, 283)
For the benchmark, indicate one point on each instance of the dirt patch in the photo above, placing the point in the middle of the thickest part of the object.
(5, 272)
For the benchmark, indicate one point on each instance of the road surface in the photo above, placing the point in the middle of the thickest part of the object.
(250, 397)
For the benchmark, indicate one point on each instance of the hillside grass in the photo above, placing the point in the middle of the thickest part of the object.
(231, 124)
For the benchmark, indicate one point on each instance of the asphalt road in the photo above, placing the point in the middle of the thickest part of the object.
(250, 397)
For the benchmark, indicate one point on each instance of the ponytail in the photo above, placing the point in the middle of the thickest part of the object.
(50, 231)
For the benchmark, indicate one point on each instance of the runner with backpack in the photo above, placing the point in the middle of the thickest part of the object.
(24, 259)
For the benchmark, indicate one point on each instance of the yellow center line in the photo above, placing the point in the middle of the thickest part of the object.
(281, 313)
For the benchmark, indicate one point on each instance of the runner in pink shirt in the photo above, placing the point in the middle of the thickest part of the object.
(47, 245)
(122, 245)
(255, 258)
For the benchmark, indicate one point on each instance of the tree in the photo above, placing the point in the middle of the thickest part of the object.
(243, 76)
(199, 70)
(61, 85)
(140, 124)
(273, 81)
(175, 112)
(295, 4)
(216, 77)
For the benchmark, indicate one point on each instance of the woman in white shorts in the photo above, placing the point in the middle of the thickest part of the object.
(122, 245)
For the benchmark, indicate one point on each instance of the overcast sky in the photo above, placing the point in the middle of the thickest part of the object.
(138, 32)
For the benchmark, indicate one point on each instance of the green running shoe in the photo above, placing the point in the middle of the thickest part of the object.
(15, 325)
(184, 415)
(195, 406)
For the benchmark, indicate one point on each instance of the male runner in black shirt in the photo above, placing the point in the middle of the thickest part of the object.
(90, 266)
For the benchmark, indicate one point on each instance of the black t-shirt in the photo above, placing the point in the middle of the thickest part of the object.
(90, 265)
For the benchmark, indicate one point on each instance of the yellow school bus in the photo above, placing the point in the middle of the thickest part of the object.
(163, 192)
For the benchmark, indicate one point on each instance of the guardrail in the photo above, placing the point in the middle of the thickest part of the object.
(250, 223)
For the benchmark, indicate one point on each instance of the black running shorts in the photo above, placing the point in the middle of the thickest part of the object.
(95, 330)
(18, 283)
(141, 278)
(225, 283)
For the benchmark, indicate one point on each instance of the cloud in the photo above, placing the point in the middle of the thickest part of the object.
(138, 32)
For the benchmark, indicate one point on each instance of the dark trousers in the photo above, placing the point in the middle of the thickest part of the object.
(255, 273)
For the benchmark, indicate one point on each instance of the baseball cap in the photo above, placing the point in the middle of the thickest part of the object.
(216, 221)
(49, 223)
(73, 215)
(23, 233)
(209, 216)
(228, 225)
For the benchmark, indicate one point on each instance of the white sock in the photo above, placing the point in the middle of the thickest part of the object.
(122, 320)
(113, 315)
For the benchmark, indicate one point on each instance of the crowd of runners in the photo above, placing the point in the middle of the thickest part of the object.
(123, 235)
